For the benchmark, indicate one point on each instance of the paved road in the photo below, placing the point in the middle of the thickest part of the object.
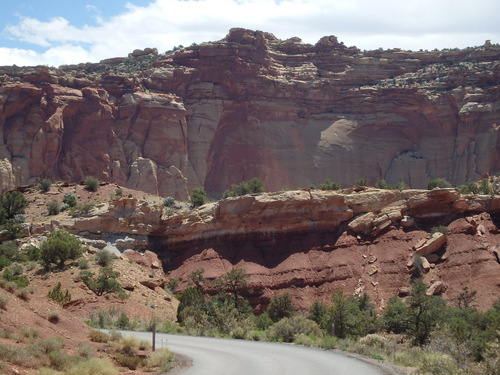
(212, 356)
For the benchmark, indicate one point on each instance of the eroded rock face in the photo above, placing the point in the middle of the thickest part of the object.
(250, 105)
(311, 243)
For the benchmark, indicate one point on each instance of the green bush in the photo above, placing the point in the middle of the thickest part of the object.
(98, 336)
(105, 283)
(81, 210)
(330, 185)
(382, 184)
(11, 204)
(469, 187)
(4, 300)
(104, 258)
(438, 183)
(44, 185)
(59, 247)
(484, 186)
(287, 329)
(58, 295)
(70, 199)
(169, 202)
(53, 207)
(252, 186)
(197, 196)
(281, 306)
(361, 182)
(91, 183)
(400, 186)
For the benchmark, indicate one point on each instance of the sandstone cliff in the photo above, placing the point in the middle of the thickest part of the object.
(251, 105)
(310, 242)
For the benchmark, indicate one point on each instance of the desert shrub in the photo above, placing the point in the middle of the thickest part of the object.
(491, 361)
(361, 182)
(51, 344)
(44, 185)
(382, 184)
(330, 185)
(85, 351)
(83, 264)
(59, 247)
(169, 202)
(281, 306)
(106, 282)
(98, 336)
(33, 253)
(91, 183)
(81, 210)
(70, 199)
(400, 186)
(123, 321)
(14, 275)
(4, 262)
(438, 364)
(53, 317)
(119, 193)
(161, 359)
(470, 187)
(58, 295)
(197, 196)
(484, 186)
(59, 360)
(438, 183)
(92, 366)
(132, 362)
(23, 293)
(12, 203)
(53, 207)
(263, 321)
(4, 300)
(288, 328)
(252, 186)
(191, 297)
(104, 258)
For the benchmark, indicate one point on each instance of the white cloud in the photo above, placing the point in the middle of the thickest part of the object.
(368, 24)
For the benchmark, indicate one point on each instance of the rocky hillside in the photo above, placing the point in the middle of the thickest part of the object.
(250, 105)
(308, 242)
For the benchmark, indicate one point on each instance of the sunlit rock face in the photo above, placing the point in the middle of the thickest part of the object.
(250, 105)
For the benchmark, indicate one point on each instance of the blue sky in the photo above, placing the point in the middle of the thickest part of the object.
(56, 32)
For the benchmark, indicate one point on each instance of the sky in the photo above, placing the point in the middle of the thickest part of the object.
(57, 32)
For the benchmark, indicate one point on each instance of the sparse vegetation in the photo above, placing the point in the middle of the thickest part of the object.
(91, 183)
(439, 229)
(106, 282)
(330, 185)
(252, 186)
(53, 207)
(438, 183)
(70, 199)
(104, 258)
(59, 247)
(58, 295)
(361, 181)
(44, 185)
(197, 196)
(382, 184)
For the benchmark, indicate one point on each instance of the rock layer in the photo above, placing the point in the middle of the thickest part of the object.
(250, 105)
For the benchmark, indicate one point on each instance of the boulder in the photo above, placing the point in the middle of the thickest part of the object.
(437, 287)
(432, 245)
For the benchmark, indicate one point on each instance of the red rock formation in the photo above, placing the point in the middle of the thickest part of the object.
(305, 242)
(250, 105)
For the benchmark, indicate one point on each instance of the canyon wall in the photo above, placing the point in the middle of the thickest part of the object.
(250, 105)
(311, 242)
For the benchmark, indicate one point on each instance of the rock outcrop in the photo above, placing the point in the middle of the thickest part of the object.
(250, 105)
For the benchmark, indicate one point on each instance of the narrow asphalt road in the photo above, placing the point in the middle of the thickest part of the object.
(211, 356)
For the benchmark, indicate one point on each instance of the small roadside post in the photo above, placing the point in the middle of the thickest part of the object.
(154, 337)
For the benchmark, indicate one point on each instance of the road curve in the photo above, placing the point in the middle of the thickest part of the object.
(211, 356)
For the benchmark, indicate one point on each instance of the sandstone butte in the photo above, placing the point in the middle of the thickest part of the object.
(251, 105)
(310, 242)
